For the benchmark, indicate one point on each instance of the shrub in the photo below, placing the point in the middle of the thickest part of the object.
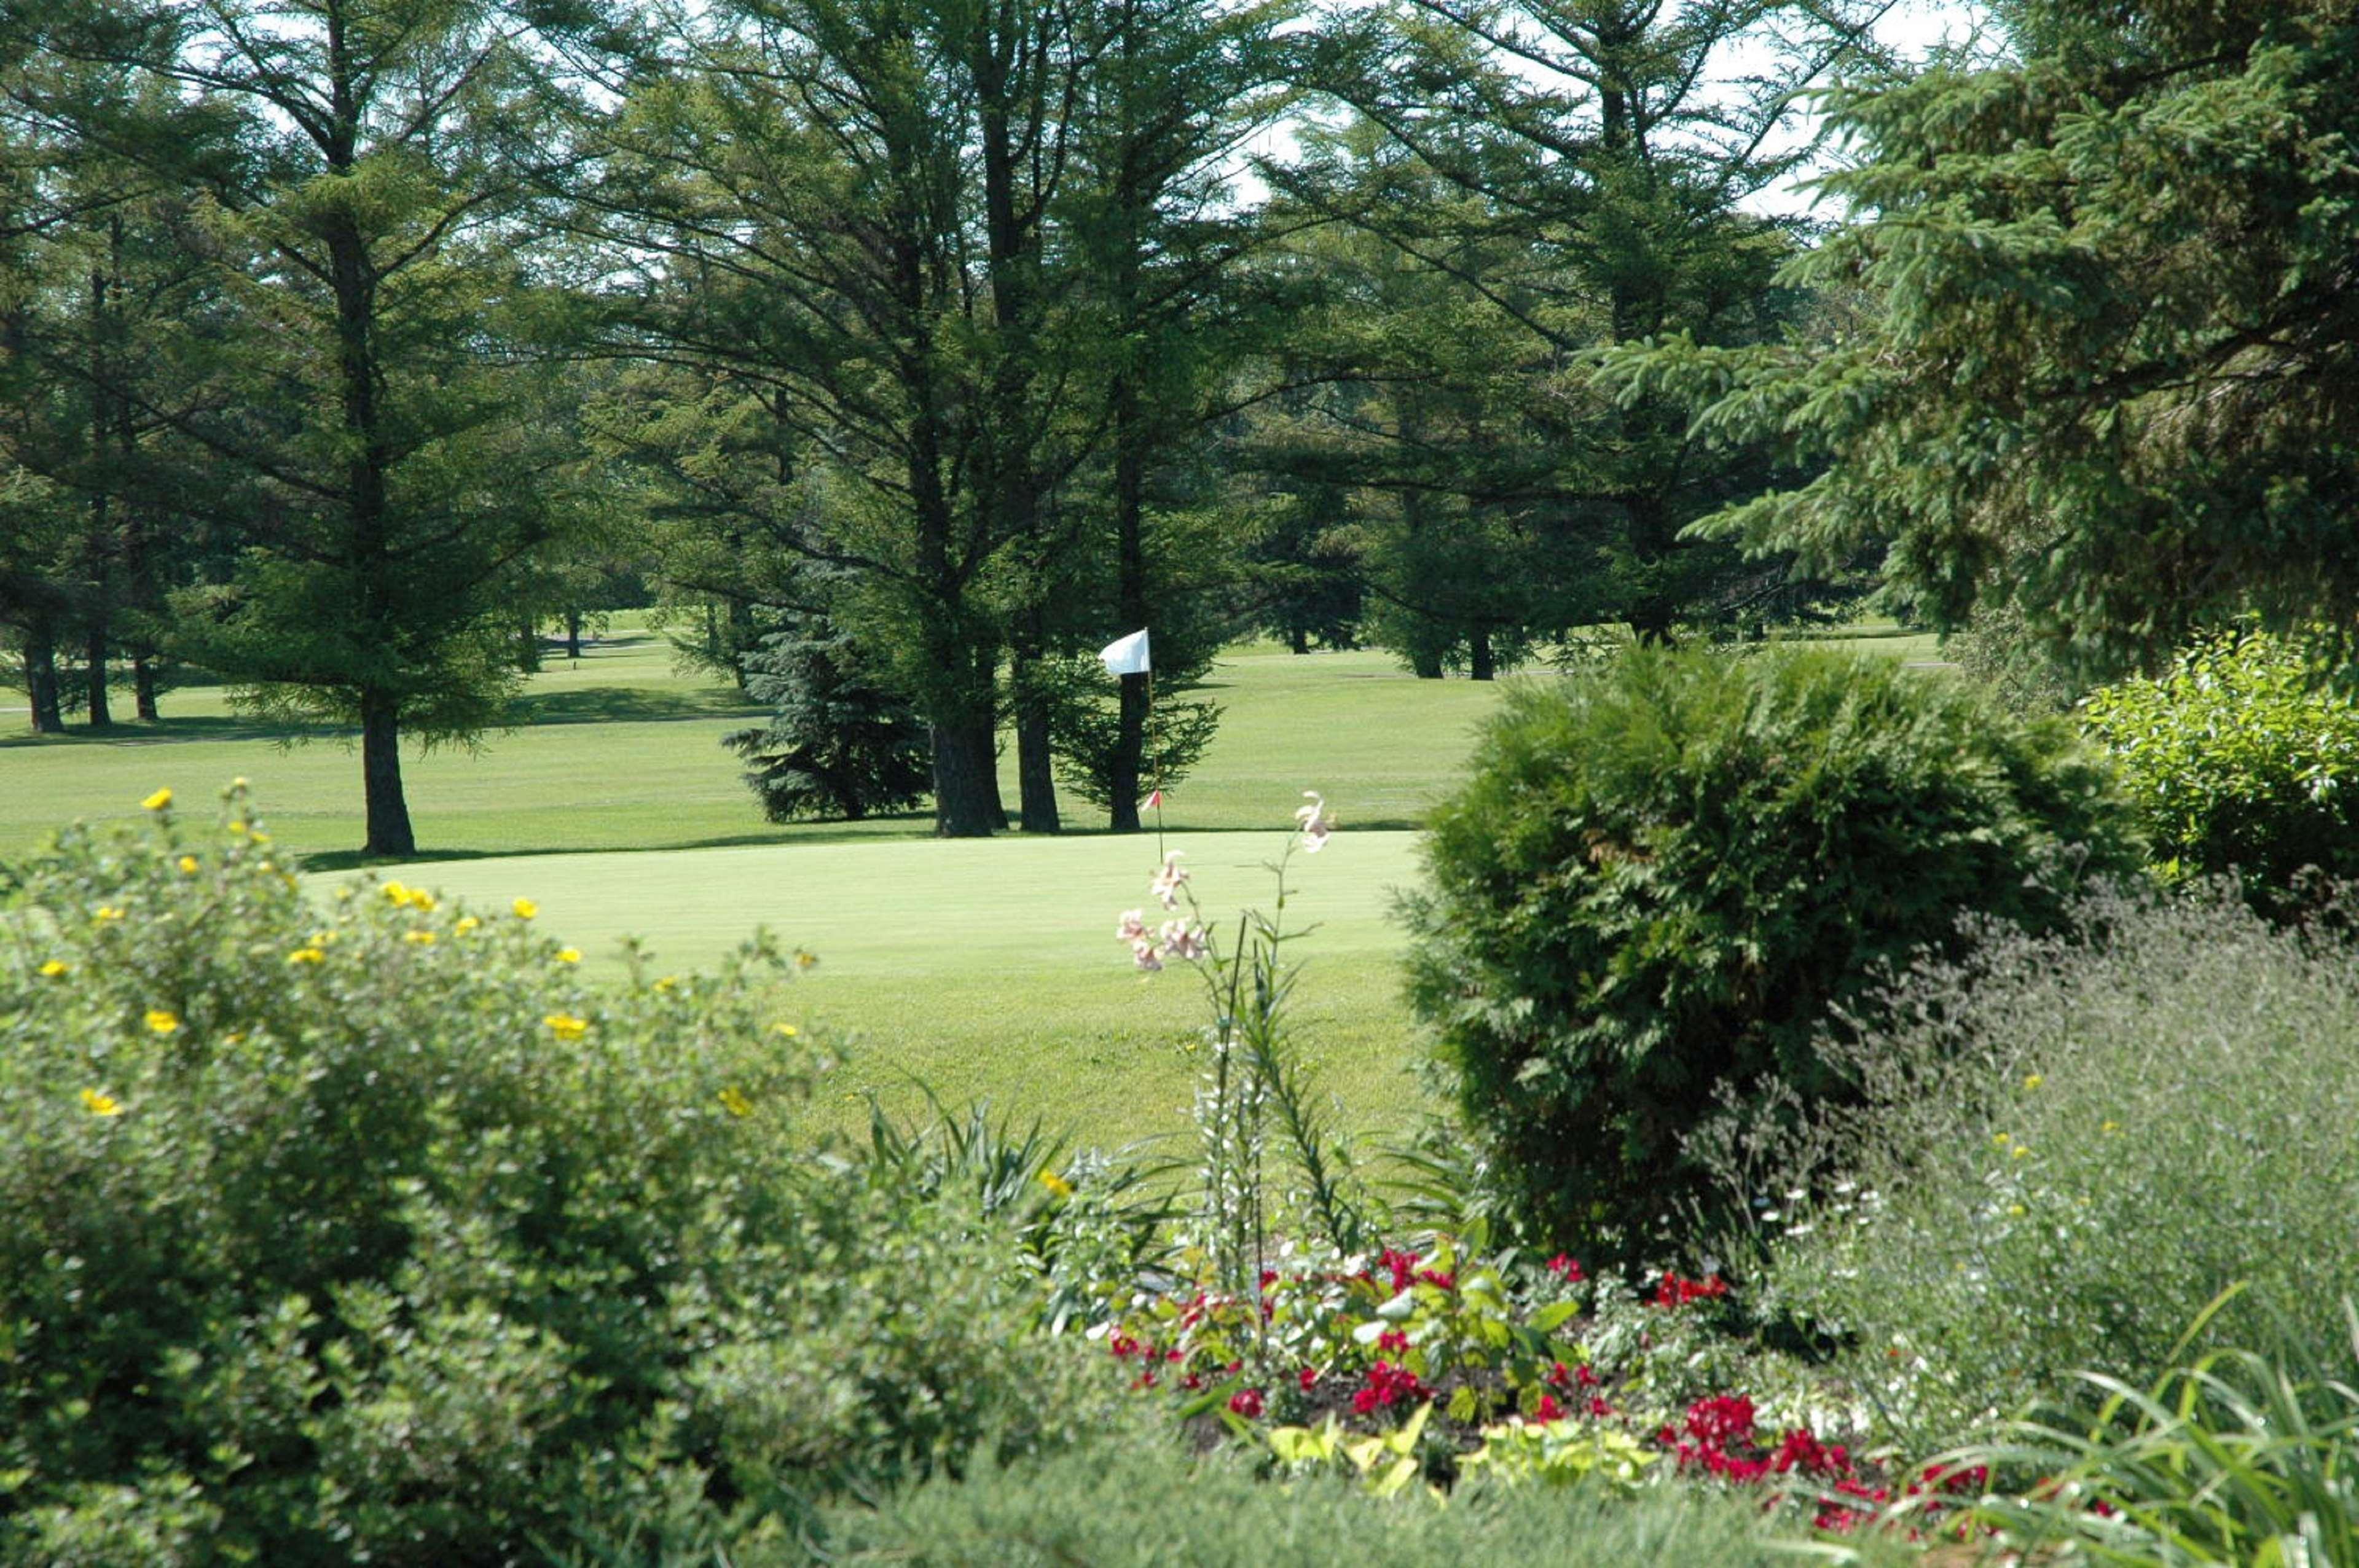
(2238, 759)
(365, 1231)
(837, 744)
(1141, 1504)
(2072, 1146)
(1662, 875)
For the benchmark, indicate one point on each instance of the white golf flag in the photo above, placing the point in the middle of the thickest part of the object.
(1125, 656)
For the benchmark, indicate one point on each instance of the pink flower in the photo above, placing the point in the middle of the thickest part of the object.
(1133, 926)
(1143, 953)
(1170, 880)
(1315, 821)
(1565, 1269)
(1182, 941)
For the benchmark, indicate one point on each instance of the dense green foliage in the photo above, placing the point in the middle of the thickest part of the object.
(837, 744)
(2237, 760)
(2074, 1144)
(372, 1233)
(1145, 1507)
(1663, 876)
(2107, 371)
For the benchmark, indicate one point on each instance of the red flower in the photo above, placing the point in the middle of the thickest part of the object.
(1404, 1267)
(1549, 1409)
(1437, 1277)
(1566, 1269)
(1717, 1422)
(1387, 1383)
(1122, 1345)
(1308, 1377)
(1674, 1291)
(1392, 1342)
(1247, 1402)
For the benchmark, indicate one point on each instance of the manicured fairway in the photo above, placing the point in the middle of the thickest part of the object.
(620, 752)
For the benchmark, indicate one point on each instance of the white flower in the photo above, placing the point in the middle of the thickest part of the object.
(1143, 953)
(1182, 941)
(1316, 821)
(1167, 881)
(1133, 926)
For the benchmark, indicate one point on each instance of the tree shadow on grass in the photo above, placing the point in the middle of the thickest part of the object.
(897, 829)
(169, 732)
(902, 828)
(625, 704)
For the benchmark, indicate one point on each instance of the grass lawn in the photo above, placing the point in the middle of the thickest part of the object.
(991, 967)
(985, 968)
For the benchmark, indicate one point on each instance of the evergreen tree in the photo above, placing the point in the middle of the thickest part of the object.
(2109, 380)
(837, 744)
(369, 429)
(1602, 151)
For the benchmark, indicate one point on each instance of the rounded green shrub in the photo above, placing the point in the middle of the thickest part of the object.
(360, 1228)
(1663, 876)
(2238, 759)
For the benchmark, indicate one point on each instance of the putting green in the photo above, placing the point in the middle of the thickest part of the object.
(990, 969)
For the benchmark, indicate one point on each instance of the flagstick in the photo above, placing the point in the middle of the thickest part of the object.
(1146, 726)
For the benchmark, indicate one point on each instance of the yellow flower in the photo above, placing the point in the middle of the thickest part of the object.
(2022, 1152)
(161, 1023)
(259, 836)
(569, 955)
(101, 1105)
(787, 1029)
(1055, 1184)
(158, 801)
(188, 865)
(2000, 1140)
(466, 923)
(395, 894)
(565, 1026)
(668, 982)
(735, 1103)
(55, 969)
(421, 900)
(419, 938)
(525, 909)
(107, 912)
(2034, 1081)
(2111, 1127)
(805, 960)
(307, 955)
(238, 829)
(2016, 1211)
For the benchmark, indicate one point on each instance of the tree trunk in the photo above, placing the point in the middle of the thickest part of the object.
(1484, 664)
(95, 661)
(1297, 641)
(1035, 773)
(966, 781)
(42, 679)
(572, 634)
(529, 645)
(388, 812)
(1128, 775)
(1425, 665)
(143, 686)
